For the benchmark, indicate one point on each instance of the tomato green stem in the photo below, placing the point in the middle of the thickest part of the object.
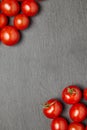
(71, 91)
(47, 105)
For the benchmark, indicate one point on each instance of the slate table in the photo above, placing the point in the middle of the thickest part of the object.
(51, 55)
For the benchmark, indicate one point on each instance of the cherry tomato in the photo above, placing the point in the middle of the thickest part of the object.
(59, 123)
(78, 112)
(71, 94)
(52, 108)
(30, 8)
(10, 7)
(21, 21)
(9, 35)
(3, 20)
(85, 93)
(76, 126)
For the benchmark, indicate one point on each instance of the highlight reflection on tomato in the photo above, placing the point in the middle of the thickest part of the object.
(10, 7)
(78, 112)
(30, 8)
(21, 21)
(59, 123)
(71, 94)
(52, 108)
(10, 35)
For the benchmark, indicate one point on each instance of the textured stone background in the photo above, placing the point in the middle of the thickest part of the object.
(51, 55)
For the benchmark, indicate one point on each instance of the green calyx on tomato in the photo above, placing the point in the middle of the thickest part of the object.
(71, 91)
(47, 105)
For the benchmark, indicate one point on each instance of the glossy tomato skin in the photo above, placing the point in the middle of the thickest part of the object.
(71, 94)
(3, 20)
(59, 123)
(21, 21)
(10, 7)
(76, 126)
(78, 112)
(52, 108)
(85, 93)
(10, 35)
(30, 8)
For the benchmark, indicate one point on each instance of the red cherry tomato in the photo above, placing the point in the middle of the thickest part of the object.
(10, 7)
(10, 36)
(21, 21)
(30, 8)
(85, 93)
(71, 94)
(76, 126)
(3, 20)
(52, 108)
(78, 112)
(59, 123)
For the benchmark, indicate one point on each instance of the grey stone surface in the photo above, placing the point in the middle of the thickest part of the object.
(51, 55)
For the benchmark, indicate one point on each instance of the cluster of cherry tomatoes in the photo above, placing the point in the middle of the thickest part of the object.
(53, 108)
(21, 11)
